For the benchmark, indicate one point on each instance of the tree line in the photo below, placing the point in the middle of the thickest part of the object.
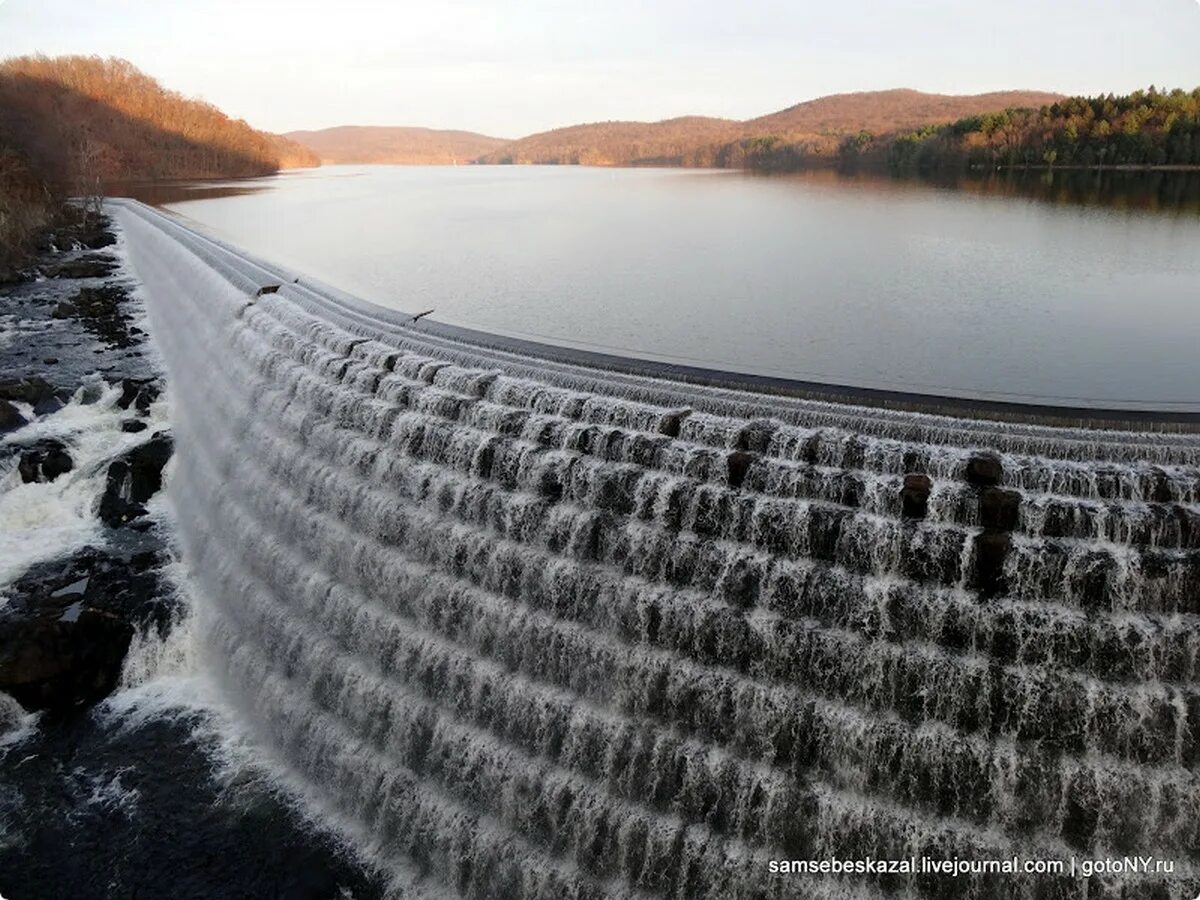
(73, 124)
(1143, 129)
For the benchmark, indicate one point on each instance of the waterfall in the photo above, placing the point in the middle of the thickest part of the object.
(532, 630)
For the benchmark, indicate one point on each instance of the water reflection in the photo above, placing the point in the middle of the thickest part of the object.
(1159, 192)
(1039, 287)
(160, 193)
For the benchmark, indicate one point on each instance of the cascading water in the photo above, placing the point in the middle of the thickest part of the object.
(530, 630)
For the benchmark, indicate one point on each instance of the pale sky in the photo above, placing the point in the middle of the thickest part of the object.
(511, 69)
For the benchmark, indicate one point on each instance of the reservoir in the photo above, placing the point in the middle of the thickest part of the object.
(1069, 288)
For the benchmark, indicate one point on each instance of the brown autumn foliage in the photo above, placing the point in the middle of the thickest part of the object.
(683, 141)
(365, 144)
(1150, 128)
(71, 113)
(894, 110)
(70, 124)
(25, 206)
(817, 125)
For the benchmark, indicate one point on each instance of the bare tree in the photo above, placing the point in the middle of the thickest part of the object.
(89, 179)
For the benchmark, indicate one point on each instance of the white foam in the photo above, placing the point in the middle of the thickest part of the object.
(42, 521)
(15, 723)
(104, 791)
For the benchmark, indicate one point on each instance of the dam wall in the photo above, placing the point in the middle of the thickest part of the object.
(519, 627)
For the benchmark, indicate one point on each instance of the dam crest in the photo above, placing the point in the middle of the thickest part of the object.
(526, 628)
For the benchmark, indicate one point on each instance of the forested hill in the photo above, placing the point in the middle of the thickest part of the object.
(1145, 128)
(82, 115)
(884, 111)
(398, 146)
(690, 140)
(818, 125)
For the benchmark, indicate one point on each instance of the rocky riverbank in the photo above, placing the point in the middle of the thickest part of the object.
(81, 456)
(96, 800)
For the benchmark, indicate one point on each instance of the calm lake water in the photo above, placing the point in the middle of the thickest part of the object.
(1078, 290)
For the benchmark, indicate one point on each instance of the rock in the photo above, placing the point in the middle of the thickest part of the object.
(58, 661)
(67, 628)
(32, 390)
(46, 242)
(999, 508)
(672, 422)
(10, 417)
(1160, 491)
(90, 265)
(95, 237)
(100, 309)
(12, 275)
(914, 495)
(133, 480)
(756, 435)
(739, 464)
(991, 548)
(984, 470)
(133, 426)
(91, 391)
(44, 461)
(138, 393)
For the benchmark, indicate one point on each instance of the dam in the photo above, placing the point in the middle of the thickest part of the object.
(520, 626)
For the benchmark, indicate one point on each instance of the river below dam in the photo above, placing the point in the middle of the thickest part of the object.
(1064, 288)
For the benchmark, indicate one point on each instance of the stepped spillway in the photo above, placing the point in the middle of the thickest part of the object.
(523, 628)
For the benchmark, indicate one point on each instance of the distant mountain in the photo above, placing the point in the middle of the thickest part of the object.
(670, 142)
(412, 146)
(885, 111)
(699, 141)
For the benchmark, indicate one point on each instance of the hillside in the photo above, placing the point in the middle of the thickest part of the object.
(697, 141)
(884, 111)
(411, 146)
(72, 124)
(1145, 128)
(75, 115)
(670, 142)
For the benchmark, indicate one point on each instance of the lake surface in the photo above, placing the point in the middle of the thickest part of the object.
(1073, 291)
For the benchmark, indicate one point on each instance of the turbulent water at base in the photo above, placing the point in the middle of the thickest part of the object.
(525, 630)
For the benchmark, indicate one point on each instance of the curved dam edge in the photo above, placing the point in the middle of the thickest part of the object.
(353, 311)
(515, 628)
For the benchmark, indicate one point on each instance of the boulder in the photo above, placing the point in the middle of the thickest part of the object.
(95, 237)
(999, 508)
(672, 422)
(61, 659)
(10, 417)
(1160, 486)
(914, 495)
(44, 461)
(37, 392)
(756, 435)
(991, 549)
(739, 462)
(138, 393)
(133, 479)
(984, 470)
(67, 627)
(133, 426)
(90, 265)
